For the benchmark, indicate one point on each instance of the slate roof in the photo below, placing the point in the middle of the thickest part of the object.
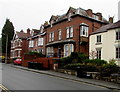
(22, 35)
(115, 25)
(102, 29)
(82, 12)
(107, 27)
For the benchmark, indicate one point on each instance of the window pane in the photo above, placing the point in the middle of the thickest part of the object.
(71, 31)
(67, 35)
(118, 35)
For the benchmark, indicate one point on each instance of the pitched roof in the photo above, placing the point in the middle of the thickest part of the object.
(115, 25)
(102, 29)
(79, 11)
(107, 27)
(22, 35)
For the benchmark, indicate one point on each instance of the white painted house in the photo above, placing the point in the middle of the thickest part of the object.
(105, 42)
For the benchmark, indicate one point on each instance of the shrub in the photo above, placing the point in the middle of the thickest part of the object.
(88, 68)
(109, 69)
(112, 62)
(82, 57)
(96, 62)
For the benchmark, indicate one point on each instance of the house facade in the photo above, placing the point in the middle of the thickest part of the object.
(19, 44)
(37, 40)
(106, 42)
(70, 32)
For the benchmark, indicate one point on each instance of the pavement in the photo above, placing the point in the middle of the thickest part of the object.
(109, 85)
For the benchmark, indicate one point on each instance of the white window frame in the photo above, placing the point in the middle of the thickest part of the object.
(69, 32)
(40, 41)
(68, 49)
(98, 38)
(51, 36)
(52, 39)
(69, 16)
(19, 43)
(31, 43)
(84, 29)
(99, 53)
(95, 17)
(117, 52)
(50, 51)
(117, 35)
(59, 35)
(19, 53)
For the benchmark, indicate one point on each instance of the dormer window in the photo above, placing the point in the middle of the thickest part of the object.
(95, 17)
(51, 23)
(41, 29)
(69, 16)
(32, 33)
(78, 11)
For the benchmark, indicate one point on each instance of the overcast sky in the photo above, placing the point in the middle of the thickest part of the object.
(32, 13)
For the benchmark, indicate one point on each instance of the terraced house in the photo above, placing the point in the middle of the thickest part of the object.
(19, 44)
(37, 40)
(70, 32)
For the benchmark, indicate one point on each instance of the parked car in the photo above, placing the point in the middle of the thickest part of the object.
(17, 61)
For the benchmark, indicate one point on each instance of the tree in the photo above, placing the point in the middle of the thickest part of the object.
(7, 31)
(93, 54)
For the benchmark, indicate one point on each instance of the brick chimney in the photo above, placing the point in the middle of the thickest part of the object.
(89, 12)
(99, 15)
(110, 19)
(46, 23)
(21, 31)
(28, 31)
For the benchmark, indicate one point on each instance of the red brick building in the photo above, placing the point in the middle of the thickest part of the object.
(19, 44)
(70, 32)
(36, 40)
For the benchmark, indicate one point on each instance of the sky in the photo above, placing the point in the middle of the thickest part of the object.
(32, 13)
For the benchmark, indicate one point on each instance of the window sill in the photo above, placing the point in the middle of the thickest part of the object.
(84, 36)
(117, 41)
(98, 43)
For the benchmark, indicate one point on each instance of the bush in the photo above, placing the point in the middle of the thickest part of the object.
(109, 69)
(96, 62)
(87, 68)
(82, 57)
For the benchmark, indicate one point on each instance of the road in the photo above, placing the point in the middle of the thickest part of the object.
(17, 79)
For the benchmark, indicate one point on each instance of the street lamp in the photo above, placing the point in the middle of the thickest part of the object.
(6, 46)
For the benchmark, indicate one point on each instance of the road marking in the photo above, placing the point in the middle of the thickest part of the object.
(4, 88)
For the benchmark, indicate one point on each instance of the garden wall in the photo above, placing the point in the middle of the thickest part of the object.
(48, 63)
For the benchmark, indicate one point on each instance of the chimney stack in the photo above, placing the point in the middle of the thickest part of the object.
(110, 19)
(21, 31)
(89, 12)
(28, 31)
(46, 23)
(99, 15)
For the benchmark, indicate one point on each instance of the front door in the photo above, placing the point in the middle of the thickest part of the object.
(59, 52)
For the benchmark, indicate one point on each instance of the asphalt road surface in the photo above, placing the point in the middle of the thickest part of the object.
(17, 79)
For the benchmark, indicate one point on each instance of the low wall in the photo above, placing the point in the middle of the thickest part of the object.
(48, 63)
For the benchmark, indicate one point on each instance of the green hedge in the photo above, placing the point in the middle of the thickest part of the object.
(88, 68)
